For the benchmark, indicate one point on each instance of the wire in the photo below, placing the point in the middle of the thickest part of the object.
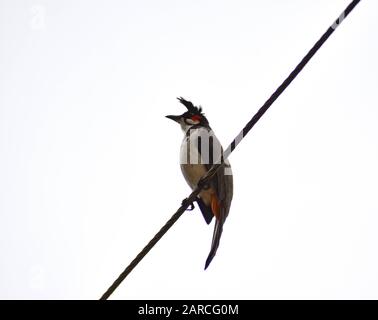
(188, 201)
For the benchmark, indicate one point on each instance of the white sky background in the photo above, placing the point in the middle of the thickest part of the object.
(89, 165)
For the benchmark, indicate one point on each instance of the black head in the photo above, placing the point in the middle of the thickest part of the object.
(193, 116)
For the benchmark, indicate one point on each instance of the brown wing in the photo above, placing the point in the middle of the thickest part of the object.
(223, 184)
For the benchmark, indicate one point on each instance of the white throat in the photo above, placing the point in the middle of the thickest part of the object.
(185, 126)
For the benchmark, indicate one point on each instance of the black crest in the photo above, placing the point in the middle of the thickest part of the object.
(191, 108)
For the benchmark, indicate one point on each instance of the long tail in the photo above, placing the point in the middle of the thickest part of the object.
(218, 228)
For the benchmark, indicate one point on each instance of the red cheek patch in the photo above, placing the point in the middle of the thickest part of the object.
(196, 118)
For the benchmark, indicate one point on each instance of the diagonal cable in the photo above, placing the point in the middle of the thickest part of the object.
(186, 202)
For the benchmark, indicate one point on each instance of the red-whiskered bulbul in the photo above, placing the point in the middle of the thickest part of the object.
(200, 149)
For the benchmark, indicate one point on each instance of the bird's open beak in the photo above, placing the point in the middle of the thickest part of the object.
(174, 118)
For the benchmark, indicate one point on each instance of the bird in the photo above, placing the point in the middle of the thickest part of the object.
(200, 149)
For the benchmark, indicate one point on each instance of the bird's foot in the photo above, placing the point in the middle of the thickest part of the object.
(184, 203)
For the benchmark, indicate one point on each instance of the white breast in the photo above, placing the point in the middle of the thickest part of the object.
(192, 162)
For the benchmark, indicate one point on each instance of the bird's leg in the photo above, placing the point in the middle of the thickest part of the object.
(184, 203)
